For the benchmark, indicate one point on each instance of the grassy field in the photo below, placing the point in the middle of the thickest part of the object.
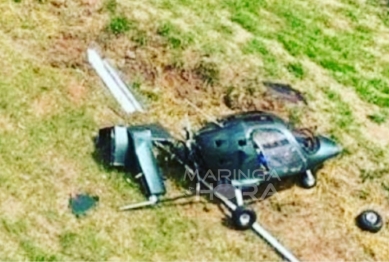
(216, 54)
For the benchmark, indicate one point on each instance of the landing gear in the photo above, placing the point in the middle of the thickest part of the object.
(308, 179)
(369, 220)
(243, 218)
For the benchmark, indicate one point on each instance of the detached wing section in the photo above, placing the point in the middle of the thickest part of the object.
(115, 85)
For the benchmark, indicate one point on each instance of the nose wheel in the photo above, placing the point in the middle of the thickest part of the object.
(308, 179)
(242, 218)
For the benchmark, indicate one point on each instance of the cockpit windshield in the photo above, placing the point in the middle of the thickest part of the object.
(280, 154)
(307, 140)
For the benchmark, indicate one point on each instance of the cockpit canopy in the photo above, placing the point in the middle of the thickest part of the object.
(261, 141)
(307, 140)
(281, 155)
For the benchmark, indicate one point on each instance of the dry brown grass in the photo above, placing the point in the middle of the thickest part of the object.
(53, 105)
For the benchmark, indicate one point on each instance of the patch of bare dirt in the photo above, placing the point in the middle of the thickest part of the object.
(77, 92)
(198, 81)
(194, 77)
(378, 133)
(63, 169)
(48, 232)
(12, 207)
(91, 3)
(67, 51)
(86, 7)
(6, 123)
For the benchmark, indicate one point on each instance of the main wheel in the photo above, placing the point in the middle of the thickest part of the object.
(243, 218)
(369, 220)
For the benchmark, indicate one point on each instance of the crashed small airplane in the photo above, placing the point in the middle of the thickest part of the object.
(260, 145)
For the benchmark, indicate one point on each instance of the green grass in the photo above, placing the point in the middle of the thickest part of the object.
(296, 69)
(175, 38)
(52, 105)
(379, 117)
(119, 25)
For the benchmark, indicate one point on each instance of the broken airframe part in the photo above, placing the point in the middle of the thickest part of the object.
(243, 218)
(286, 92)
(369, 220)
(81, 203)
(114, 83)
(113, 143)
(143, 148)
(256, 227)
(158, 132)
(132, 148)
(153, 200)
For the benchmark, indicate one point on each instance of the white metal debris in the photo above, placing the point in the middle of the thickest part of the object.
(115, 84)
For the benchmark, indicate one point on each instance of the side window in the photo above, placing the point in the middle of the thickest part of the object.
(280, 154)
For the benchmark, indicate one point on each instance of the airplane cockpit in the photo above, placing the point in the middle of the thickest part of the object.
(281, 156)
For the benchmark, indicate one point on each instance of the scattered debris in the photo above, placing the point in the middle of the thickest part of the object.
(258, 141)
(81, 203)
(286, 92)
(115, 84)
(369, 220)
(275, 152)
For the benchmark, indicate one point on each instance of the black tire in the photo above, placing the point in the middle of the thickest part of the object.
(307, 184)
(243, 218)
(369, 220)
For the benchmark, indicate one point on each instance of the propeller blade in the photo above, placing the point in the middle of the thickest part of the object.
(115, 84)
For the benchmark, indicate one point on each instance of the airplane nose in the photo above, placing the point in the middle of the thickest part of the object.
(329, 148)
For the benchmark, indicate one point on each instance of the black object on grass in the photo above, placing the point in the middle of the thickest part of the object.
(81, 203)
(286, 92)
(369, 220)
